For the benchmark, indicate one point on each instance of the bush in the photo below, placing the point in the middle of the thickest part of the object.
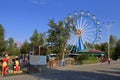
(86, 59)
(82, 57)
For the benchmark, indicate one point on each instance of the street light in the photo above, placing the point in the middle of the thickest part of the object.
(108, 26)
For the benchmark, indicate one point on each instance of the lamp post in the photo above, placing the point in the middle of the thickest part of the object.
(108, 26)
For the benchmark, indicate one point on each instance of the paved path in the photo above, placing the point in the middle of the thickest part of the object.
(100, 71)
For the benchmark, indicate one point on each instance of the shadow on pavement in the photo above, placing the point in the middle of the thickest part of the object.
(116, 68)
(53, 74)
(113, 71)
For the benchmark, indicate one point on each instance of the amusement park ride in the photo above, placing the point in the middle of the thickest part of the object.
(87, 31)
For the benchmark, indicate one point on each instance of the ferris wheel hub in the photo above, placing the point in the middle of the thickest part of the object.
(79, 32)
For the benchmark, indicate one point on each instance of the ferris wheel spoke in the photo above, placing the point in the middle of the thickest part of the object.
(89, 38)
(72, 39)
(89, 34)
(85, 42)
(84, 23)
(75, 23)
(78, 24)
(87, 23)
(73, 44)
(81, 21)
(87, 27)
(85, 39)
(92, 34)
(91, 30)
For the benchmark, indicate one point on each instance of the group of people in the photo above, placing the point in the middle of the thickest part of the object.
(23, 59)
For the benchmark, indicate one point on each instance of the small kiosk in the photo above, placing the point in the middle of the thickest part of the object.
(38, 59)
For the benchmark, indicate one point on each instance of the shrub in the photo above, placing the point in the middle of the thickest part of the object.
(86, 59)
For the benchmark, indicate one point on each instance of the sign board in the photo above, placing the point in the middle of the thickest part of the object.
(38, 60)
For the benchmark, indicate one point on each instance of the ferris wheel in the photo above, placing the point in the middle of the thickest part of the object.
(86, 31)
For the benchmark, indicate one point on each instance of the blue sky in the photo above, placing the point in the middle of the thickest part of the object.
(21, 17)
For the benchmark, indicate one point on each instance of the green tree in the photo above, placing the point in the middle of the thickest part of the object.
(2, 41)
(11, 46)
(35, 38)
(104, 47)
(113, 41)
(25, 48)
(38, 39)
(98, 46)
(58, 35)
(117, 50)
(42, 39)
(11, 42)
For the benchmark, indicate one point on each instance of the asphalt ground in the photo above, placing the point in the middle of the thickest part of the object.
(99, 71)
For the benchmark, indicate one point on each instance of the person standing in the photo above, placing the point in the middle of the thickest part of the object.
(109, 61)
